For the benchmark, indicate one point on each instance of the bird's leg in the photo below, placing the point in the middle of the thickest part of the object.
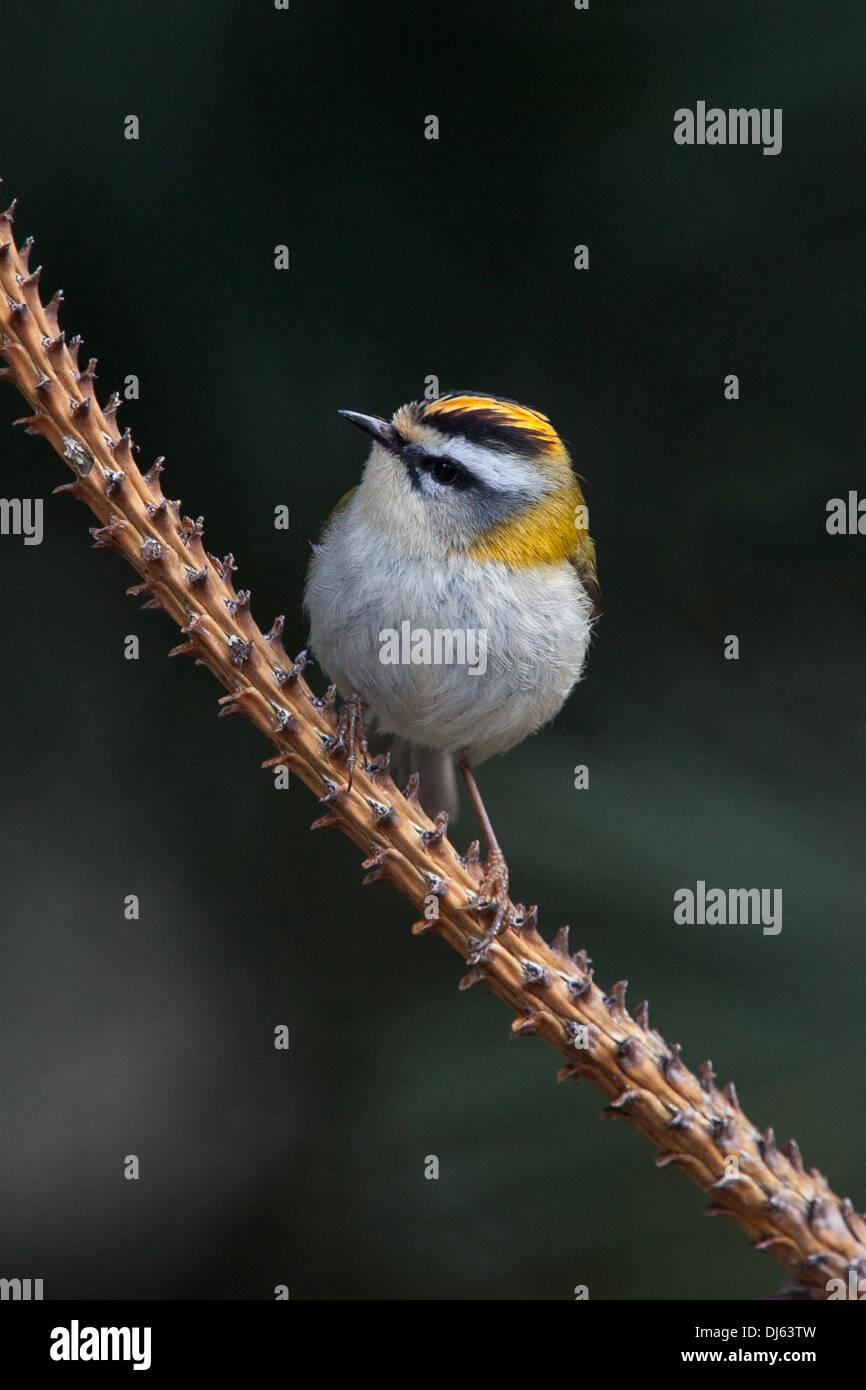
(493, 892)
(351, 735)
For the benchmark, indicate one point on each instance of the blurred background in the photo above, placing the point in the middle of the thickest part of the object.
(411, 257)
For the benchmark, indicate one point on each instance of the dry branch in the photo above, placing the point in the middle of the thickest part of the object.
(787, 1210)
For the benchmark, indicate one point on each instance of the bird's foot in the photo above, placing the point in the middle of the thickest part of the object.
(351, 736)
(492, 896)
(494, 885)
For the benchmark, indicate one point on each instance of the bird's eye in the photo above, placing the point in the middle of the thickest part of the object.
(444, 471)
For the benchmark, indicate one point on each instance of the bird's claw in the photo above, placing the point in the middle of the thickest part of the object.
(351, 735)
(492, 896)
(494, 885)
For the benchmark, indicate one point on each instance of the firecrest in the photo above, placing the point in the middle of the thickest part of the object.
(455, 589)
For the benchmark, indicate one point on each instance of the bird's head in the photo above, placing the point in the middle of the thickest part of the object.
(471, 474)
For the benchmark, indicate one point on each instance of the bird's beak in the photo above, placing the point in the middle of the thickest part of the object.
(382, 430)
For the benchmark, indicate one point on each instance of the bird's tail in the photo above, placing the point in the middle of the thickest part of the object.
(438, 789)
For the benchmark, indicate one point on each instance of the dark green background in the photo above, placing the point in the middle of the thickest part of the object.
(410, 257)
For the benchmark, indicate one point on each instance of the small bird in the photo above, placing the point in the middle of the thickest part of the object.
(453, 591)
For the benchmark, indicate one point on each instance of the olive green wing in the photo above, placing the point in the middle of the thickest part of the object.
(341, 506)
(584, 561)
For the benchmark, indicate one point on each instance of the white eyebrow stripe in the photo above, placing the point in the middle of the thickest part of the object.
(501, 471)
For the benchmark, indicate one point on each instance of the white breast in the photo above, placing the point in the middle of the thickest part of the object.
(531, 630)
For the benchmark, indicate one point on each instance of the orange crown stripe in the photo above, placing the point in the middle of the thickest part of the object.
(509, 412)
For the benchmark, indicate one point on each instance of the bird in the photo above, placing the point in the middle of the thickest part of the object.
(453, 593)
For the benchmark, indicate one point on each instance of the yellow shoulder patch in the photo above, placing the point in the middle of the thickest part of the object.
(549, 531)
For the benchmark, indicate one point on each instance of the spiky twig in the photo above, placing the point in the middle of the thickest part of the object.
(788, 1211)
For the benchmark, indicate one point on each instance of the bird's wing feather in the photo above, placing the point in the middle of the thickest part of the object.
(341, 506)
(583, 559)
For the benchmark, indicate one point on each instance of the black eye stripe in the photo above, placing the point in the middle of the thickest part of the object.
(447, 471)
